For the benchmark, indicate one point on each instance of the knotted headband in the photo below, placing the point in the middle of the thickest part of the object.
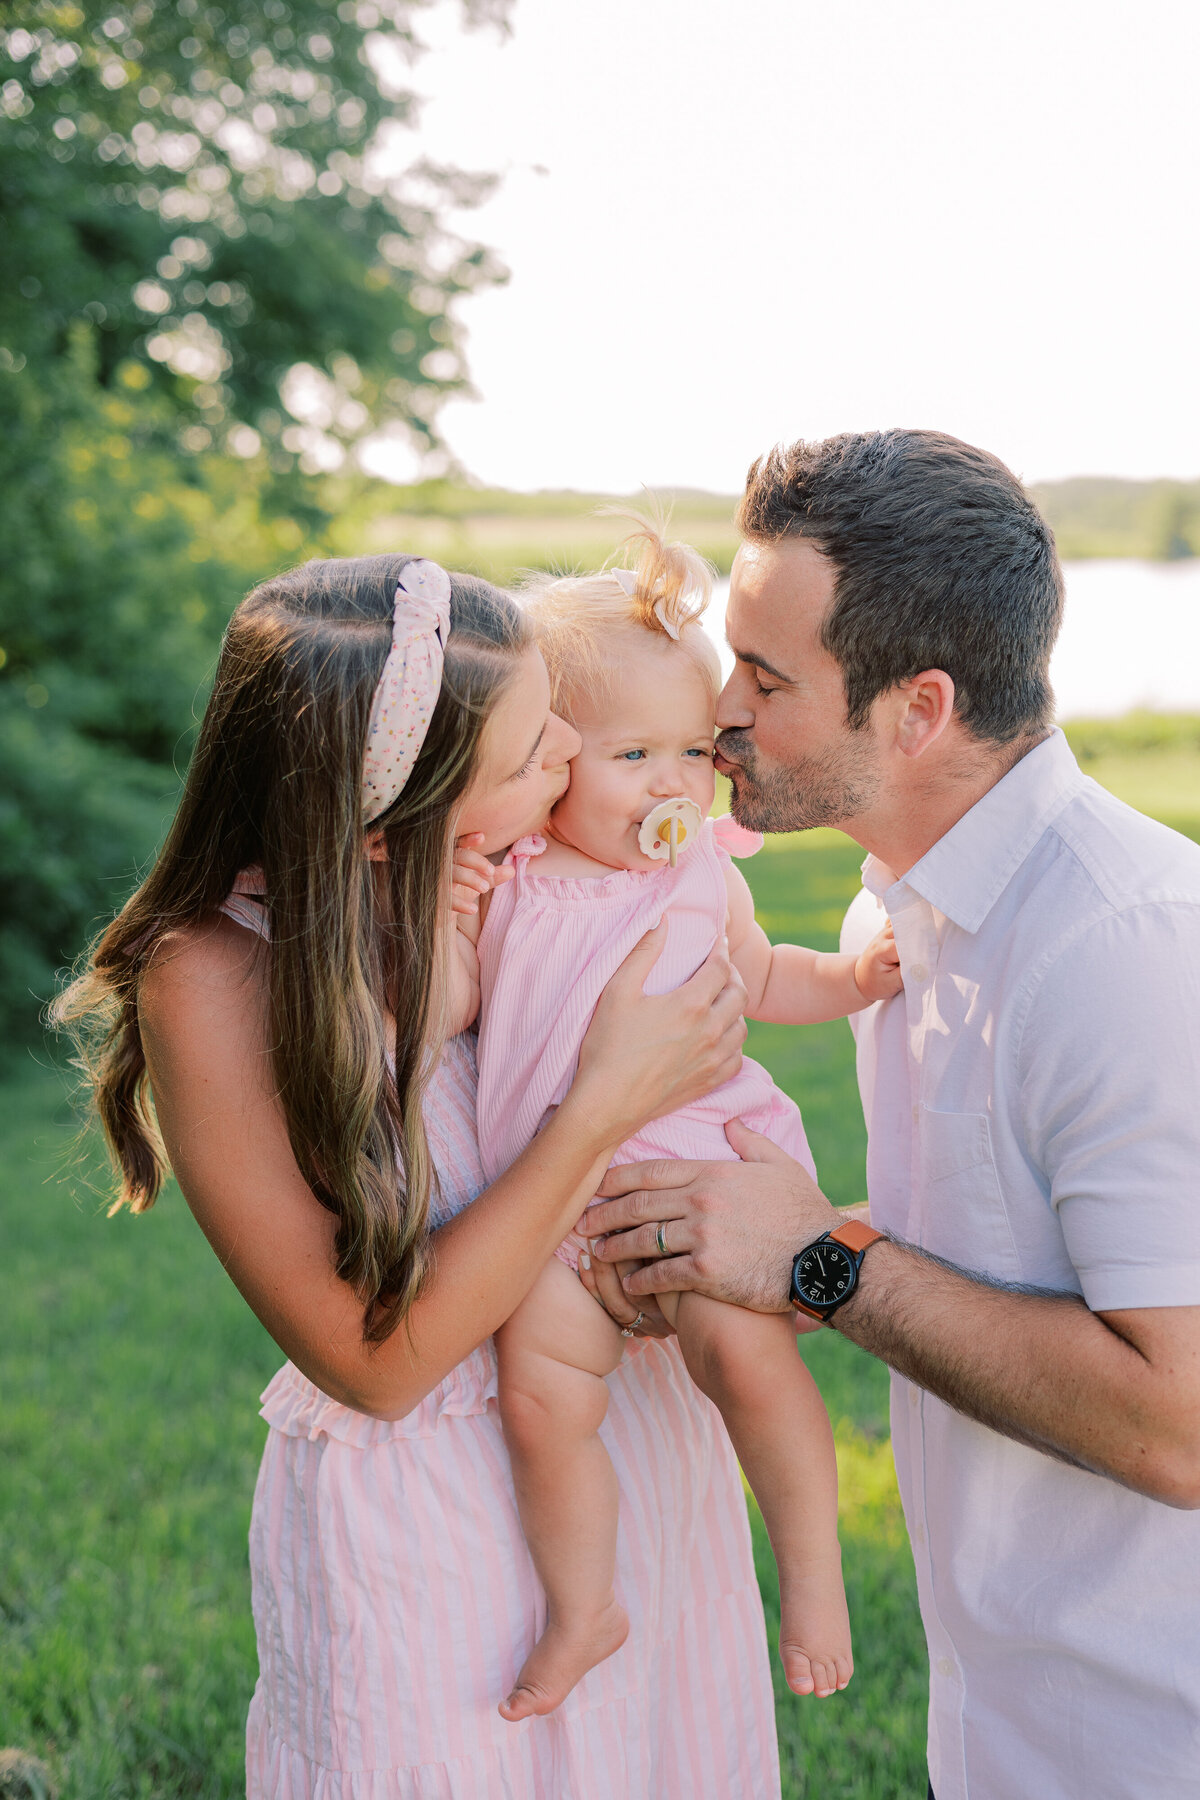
(409, 686)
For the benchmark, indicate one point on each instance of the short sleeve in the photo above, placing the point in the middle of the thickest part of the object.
(1109, 1068)
(735, 839)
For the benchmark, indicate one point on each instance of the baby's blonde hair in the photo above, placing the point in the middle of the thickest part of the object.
(576, 616)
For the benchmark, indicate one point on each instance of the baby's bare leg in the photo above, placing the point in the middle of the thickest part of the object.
(748, 1365)
(554, 1353)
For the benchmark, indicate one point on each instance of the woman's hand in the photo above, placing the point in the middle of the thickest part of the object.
(649, 1054)
(603, 1282)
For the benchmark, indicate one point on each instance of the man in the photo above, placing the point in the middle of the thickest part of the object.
(1032, 1107)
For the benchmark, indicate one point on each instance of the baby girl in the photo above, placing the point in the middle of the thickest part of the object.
(632, 670)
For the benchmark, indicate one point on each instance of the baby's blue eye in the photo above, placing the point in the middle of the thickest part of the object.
(698, 752)
(632, 755)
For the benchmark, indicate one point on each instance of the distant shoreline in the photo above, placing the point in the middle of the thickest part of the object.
(499, 533)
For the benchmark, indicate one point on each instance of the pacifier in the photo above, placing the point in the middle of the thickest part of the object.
(668, 828)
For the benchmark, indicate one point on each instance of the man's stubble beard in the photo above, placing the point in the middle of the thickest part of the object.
(802, 795)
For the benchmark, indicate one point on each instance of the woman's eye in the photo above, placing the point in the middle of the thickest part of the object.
(632, 755)
(528, 769)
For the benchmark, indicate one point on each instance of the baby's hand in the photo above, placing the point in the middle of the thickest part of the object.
(877, 971)
(473, 874)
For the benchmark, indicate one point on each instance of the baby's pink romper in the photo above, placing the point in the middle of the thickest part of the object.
(394, 1598)
(548, 947)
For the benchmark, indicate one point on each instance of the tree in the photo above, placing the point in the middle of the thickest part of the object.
(201, 182)
(191, 208)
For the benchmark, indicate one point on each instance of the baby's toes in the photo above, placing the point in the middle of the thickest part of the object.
(825, 1676)
(797, 1668)
(844, 1666)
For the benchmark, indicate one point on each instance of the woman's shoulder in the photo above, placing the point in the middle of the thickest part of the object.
(210, 973)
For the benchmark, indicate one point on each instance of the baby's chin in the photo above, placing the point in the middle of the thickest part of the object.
(615, 852)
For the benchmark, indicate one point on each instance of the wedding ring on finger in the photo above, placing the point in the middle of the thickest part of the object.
(660, 1238)
(628, 1330)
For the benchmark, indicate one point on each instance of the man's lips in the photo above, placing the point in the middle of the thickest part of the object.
(722, 762)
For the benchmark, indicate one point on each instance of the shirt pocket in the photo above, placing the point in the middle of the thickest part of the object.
(960, 1209)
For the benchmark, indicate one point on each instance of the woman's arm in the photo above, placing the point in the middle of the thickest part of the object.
(204, 1025)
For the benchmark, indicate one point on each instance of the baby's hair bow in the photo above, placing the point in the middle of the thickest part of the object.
(627, 579)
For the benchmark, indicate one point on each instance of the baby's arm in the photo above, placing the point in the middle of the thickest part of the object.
(472, 880)
(464, 973)
(787, 984)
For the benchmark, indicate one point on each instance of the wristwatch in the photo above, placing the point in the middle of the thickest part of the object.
(826, 1274)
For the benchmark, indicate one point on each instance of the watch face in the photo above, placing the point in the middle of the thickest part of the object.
(824, 1274)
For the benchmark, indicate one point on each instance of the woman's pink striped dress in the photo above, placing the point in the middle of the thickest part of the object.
(394, 1598)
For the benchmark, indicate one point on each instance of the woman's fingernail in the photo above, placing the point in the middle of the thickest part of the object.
(585, 1262)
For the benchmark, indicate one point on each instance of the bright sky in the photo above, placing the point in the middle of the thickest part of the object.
(766, 219)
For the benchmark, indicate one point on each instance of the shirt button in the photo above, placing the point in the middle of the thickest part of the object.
(918, 971)
(919, 1534)
(916, 1115)
(912, 1396)
(945, 1666)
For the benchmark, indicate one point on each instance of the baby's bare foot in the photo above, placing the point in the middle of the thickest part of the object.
(561, 1657)
(814, 1631)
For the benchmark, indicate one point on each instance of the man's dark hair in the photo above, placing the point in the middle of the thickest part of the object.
(942, 562)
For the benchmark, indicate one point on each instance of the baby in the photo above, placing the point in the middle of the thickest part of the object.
(632, 670)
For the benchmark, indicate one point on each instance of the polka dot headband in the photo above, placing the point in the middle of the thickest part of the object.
(409, 686)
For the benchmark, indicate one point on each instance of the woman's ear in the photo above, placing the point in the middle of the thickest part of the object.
(926, 705)
(375, 846)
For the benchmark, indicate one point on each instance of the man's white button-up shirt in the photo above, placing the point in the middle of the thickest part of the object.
(1033, 1112)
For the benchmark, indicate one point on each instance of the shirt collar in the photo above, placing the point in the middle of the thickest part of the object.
(967, 870)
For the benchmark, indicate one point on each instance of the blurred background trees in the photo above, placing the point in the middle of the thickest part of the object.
(220, 271)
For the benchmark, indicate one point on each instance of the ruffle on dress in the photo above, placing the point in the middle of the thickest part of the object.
(295, 1406)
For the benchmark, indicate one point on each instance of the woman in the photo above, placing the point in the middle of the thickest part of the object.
(278, 984)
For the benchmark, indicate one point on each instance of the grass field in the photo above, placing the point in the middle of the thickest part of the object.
(129, 1437)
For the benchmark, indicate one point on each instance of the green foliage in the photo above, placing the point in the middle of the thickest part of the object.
(198, 181)
(124, 558)
(190, 208)
(1133, 734)
(1096, 515)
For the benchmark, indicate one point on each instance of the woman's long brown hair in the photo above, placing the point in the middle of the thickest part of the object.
(274, 783)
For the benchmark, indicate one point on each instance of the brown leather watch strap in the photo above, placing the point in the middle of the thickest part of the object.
(854, 1235)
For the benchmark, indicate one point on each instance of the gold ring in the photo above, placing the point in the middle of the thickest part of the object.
(660, 1238)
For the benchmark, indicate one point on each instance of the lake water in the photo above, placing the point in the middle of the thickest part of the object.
(1130, 637)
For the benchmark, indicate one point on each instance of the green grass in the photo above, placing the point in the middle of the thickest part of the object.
(129, 1438)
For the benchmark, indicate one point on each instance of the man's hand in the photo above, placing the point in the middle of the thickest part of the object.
(731, 1229)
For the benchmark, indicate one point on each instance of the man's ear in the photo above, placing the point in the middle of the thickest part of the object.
(923, 709)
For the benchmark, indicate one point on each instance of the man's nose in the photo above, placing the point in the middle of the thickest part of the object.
(734, 711)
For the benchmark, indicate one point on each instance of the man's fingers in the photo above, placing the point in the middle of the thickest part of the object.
(670, 1275)
(621, 1246)
(627, 1178)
